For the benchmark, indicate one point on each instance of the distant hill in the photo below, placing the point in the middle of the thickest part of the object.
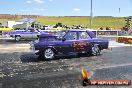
(97, 22)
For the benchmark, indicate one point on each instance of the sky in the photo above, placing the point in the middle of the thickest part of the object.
(67, 7)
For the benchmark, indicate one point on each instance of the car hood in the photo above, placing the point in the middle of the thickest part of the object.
(47, 35)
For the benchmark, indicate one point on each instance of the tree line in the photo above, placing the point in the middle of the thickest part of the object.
(15, 16)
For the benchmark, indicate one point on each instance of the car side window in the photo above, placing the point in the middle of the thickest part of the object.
(46, 39)
(83, 35)
(71, 36)
(31, 30)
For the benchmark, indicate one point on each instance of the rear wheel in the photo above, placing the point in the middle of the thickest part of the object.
(95, 50)
(17, 38)
(49, 54)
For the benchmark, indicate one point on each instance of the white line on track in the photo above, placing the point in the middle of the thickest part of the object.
(116, 44)
(114, 66)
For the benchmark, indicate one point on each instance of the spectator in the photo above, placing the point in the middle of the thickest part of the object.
(101, 28)
(126, 28)
(130, 31)
(107, 28)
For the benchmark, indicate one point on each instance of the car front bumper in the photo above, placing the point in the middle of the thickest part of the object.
(32, 48)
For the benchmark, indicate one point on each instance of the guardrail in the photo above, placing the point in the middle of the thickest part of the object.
(98, 33)
(107, 33)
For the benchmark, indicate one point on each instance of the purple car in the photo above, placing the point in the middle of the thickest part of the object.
(68, 42)
(30, 33)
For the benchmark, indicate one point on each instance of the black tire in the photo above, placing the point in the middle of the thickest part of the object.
(49, 54)
(17, 38)
(95, 50)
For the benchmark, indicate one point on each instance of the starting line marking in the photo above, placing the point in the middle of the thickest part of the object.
(116, 44)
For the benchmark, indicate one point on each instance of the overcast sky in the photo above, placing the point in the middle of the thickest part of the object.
(67, 7)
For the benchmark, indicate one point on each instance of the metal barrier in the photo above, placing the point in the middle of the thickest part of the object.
(98, 33)
(106, 33)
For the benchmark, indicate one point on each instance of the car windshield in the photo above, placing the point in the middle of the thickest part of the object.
(61, 33)
(45, 39)
(19, 28)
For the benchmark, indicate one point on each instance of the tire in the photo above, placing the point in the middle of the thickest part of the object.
(95, 51)
(17, 38)
(49, 54)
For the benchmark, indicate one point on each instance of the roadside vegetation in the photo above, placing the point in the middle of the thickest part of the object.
(112, 22)
(98, 22)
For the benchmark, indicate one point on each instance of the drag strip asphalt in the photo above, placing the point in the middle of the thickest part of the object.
(19, 67)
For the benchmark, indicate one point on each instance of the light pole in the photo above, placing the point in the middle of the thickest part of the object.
(91, 14)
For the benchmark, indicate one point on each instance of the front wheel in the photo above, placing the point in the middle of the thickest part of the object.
(95, 50)
(17, 38)
(49, 54)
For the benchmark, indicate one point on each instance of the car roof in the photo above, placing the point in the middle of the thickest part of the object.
(83, 30)
(31, 28)
(76, 30)
(47, 35)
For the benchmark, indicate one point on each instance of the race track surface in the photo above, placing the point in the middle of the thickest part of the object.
(19, 67)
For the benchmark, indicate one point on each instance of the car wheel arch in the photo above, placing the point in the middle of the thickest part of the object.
(53, 48)
(100, 47)
(96, 51)
(17, 38)
(17, 35)
(44, 56)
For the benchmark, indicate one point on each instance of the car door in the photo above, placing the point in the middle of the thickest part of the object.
(67, 45)
(84, 41)
(26, 34)
(35, 34)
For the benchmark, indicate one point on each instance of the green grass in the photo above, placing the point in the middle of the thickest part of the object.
(113, 22)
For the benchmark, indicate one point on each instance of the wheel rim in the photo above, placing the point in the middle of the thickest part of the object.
(49, 54)
(95, 50)
(17, 38)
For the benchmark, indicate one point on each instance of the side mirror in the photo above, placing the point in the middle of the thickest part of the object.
(63, 39)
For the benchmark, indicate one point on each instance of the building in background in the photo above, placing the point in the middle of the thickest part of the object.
(12, 24)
